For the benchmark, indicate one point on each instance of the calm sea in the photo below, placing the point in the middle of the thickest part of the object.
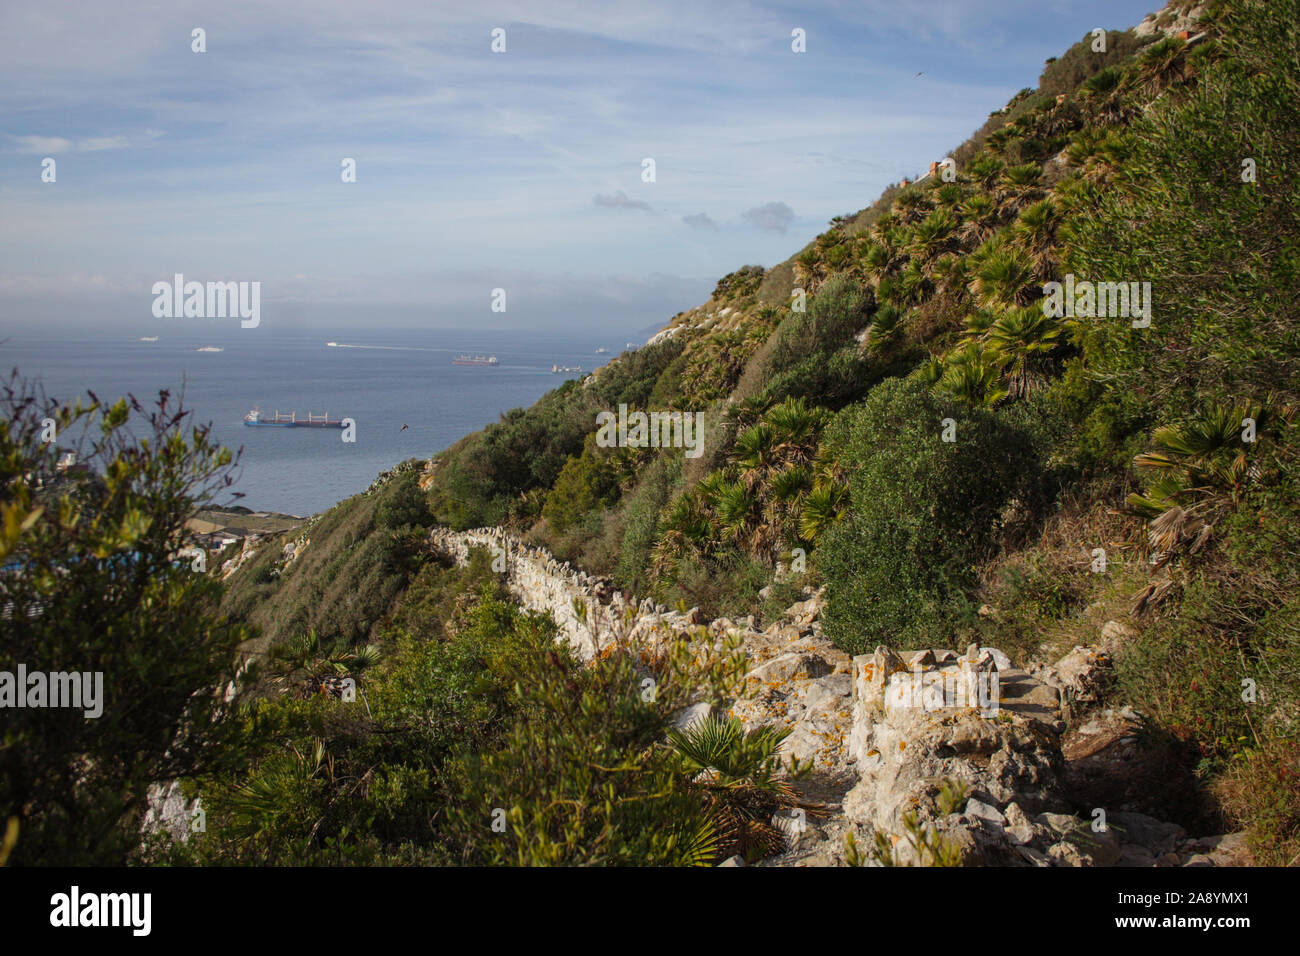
(396, 378)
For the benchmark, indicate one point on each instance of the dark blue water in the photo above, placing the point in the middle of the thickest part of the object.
(410, 381)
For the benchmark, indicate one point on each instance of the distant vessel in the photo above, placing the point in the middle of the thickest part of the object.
(565, 369)
(601, 351)
(632, 345)
(332, 345)
(475, 360)
(148, 338)
(209, 348)
(257, 419)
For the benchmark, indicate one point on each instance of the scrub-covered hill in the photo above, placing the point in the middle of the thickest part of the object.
(914, 411)
(1040, 397)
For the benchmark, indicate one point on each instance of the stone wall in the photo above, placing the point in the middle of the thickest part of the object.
(590, 613)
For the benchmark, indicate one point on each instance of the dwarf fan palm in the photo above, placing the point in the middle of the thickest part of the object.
(884, 328)
(1021, 338)
(980, 214)
(789, 484)
(688, 517)
(795, 427)
(1161, 64)
(950, 194)
(822, 507)
(877, 258)
(949, 272)
(931, 235)
(885, 225)
(912, 284)
(1036, 230)
(756, 452)
(986, 170)
(911, 205)
(971, 375)
(1201, 468)
(741, 777)
(1002, 277)
(735, 505)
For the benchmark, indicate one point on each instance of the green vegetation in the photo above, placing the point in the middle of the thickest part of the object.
(92, 584)
(355, 561)
(1072, 433)
(477, 739)
(901, 569)
(924, 438)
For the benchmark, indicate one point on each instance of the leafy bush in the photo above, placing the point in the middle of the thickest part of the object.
(1222, 255)
(91, 583)
(402, 504)
(804, 341)
(899, 568)
(585, 482)
(600, 788)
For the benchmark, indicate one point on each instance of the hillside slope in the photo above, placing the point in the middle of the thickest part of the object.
(1075, 435)
(901, 414)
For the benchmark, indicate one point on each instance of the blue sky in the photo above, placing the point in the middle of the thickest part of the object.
(475, 170)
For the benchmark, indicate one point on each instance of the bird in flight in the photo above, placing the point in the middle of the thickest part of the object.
(922, 73)
(404, 428)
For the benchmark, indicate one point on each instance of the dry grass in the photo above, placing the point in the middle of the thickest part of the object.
(1045, 596)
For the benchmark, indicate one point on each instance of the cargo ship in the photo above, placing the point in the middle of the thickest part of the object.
(475, 360)
(565, 369)
(257, 419)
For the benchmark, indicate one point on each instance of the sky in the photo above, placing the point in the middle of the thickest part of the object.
(475, 170)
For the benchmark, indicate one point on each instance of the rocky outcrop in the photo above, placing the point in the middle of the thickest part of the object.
(248, 551)
(798, 679)
(1083, 675)
(1170, 22)
(930, 725)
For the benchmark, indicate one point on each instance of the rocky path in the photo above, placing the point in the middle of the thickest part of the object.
(891, 735)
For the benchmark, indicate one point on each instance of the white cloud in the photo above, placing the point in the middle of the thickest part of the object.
(42, 144)
(45, 145)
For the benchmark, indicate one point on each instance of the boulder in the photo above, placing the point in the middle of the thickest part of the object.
(1154, 836)
(979, 809)
(692, 715)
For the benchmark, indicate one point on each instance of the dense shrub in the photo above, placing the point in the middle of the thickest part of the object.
(1222, 255)
(640, 514)
(585, 482)
(424, 767)
(898, 570)
(834, 315)
(725, 583)
(91, 583)
(403, 504)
